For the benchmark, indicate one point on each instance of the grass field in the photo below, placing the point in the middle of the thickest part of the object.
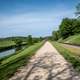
(6, 43)
(73, 49)
(9, 65)
(72, 40)
(68, 55)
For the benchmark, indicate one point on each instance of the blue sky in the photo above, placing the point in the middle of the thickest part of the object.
(35, 17)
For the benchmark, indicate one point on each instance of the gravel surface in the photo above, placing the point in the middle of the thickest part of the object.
(47, 64)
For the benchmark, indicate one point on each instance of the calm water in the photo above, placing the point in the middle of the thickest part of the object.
(10, 51)
(7, 52)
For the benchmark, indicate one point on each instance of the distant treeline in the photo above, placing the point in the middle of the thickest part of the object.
(12, 42)
(24, 39)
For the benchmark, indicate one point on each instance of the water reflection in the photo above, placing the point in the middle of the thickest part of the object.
(7, 52)
(11, 51)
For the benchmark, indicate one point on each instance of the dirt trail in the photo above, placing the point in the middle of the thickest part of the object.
(47, 64)
(73, 49)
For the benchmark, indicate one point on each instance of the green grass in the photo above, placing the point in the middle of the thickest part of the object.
(69, 56)
(72, 40)
(6, 43)
(73, 49)
(9, 65)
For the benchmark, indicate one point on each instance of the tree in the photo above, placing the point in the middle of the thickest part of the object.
(18, 43)
(69, 27)
(76, 26)
(55, 35)
(66, 28)
(41, 38)
(35, 40)
(29, 40)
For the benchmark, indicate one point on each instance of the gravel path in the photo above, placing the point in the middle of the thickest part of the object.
(47, 64)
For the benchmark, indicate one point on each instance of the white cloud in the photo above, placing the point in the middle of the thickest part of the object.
(35, 23)
(33, 17)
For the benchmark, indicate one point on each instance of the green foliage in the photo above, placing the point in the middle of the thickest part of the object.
(35, 40)
(75, 39)
(10, 64)
(29, 40)
(6, 43)
(75, 60)
(11, 42)
(55, 35)
(49, 38)
(41, 38)
(66, 28)
(76, 26)
(18, 42)
(69, 27)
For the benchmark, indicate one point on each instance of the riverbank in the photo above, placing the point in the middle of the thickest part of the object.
(6, 44)
(47, 64)
(72, 40)
(8, 47)
(9, 65)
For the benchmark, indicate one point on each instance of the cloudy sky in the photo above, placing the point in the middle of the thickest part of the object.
(35, 17)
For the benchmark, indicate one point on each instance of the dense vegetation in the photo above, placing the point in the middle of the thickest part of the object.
(6, 44)
(10, 64)
(11, 42)
(68, 27)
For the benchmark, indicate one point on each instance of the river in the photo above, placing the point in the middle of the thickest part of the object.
(9, 52)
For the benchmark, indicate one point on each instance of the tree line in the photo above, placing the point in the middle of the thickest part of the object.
(68, 26)
(29, 40)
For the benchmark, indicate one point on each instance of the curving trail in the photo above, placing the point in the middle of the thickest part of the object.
(47, 64)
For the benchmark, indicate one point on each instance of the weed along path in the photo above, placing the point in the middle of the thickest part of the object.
(47, 64)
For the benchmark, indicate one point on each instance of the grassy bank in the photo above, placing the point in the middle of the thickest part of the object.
(6, 44)
(9, 65)
(69, 56)
(75, 40)
(9, 44)
(72, 48)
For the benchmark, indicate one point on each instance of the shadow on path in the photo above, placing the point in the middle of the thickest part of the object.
(51, 76)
